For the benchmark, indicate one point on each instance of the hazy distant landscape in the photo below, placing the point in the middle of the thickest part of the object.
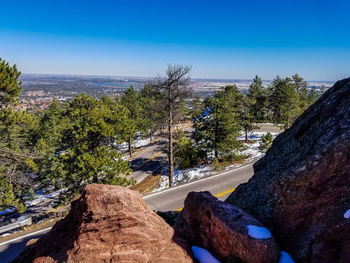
(67, 86)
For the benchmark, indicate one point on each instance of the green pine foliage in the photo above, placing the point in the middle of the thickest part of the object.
(284, 101)
(86, 155)
(218, 131)
(10, 86)
(258, 97)
(131, 101)
(266, 142)
(185, 154)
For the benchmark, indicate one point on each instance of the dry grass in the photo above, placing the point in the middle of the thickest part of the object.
(147, 185)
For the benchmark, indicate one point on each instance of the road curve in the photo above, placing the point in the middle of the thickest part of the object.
(170, 199)
(173, 198)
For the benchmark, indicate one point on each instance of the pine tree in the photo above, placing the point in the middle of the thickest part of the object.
(10, 86)
(86, 154)
(284, 101)
(153, 114)
(18, 154)
(312, 96)
(173, 89)
(131, 101)
(247, 120)
(219, 126)
(266, 142)
(301, 88)
(258, 97)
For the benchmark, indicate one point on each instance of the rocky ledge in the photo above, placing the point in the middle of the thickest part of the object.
(301, 188)
(108, 224)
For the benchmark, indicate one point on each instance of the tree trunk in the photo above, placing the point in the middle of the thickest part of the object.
(150, 135)
(246, 134)
(215, 139)
(130, 146)
(95, 179)
(171, 161)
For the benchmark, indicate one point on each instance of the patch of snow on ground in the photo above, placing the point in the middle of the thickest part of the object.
(285, 258)
(255, 136)
(186, 175)
(252, 150)
(138, 143)
(258, 232)
(347, 214)
(41, 197)
(203, 255)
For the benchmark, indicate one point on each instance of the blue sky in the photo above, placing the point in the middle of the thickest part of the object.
(220, 39)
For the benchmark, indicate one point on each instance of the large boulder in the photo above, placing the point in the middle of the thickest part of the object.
(108, 224)
(301, 187)
(227, 232)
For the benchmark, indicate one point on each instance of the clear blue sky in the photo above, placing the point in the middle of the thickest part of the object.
(220, 39)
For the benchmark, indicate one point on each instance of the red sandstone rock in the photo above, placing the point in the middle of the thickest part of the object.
(222, 229)
(301, 187)
(108, 224)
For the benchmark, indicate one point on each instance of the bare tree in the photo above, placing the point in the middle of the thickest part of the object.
(173, 89)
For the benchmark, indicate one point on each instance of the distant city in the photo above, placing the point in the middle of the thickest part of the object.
(40, 89)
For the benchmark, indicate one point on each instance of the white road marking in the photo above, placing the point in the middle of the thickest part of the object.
(28, 235)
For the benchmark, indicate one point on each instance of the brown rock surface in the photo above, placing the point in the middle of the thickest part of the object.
(301, 188)
(108, 224)
(221, 228)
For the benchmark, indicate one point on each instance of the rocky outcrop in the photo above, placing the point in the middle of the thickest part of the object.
(108, 224)
(227, 232)
(301, 188)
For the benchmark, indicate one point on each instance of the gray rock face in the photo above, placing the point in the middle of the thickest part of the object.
(226, 231)
(301, 188)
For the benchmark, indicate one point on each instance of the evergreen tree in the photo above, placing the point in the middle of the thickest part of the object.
(247, 120)
(284, 101)
(152, 113)
(301, 88)
(131, 101)
(258, 97)
(196, 108)
(52, 124)
(185, 155)
(266, 142)
(86, 155)
(18, 154)
(10, 86)
(219, 126)
(173, 89)
(312, 96)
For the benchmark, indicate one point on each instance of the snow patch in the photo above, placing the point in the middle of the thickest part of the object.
(252, 151)
(41, 197)
(203, 255)
(347, 214)
(186, 175)
(256, 136)
(258, 232)
(137, 143)
(285, 258)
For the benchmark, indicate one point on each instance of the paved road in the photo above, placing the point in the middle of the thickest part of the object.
(170, 199)
(173, 199)
(149, 161)
(152, 159)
